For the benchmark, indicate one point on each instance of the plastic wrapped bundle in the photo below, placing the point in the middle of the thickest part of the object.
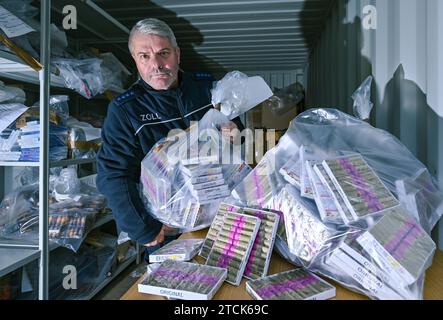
(184, 178)
(375, 204)
(10, 94)
(260, 255)
(70, 218)
(21, 8)
(359, 187)
(362, 103)
(400, 238)
(237, 93)
(306, 235)
(83, 140)
(20, 205)
(285, 99)
(233, 245)
(183, 280)
(58, 112)
(79, 147)
(9, 148)
(291, 171)
(422, 198)
(30, 142)
(113, 71)
(258, 187)
(386, 262)
(59, 105)
(229, 92)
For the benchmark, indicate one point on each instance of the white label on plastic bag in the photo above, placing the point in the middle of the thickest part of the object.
(11, 25)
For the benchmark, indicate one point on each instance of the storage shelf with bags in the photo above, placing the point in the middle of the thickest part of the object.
(15, 254)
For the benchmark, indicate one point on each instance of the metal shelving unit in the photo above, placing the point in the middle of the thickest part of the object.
(14, 258)
(119, 270)
(15, 255)
(52, 164)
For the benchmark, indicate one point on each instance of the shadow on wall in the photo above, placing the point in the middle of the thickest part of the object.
(345, 68)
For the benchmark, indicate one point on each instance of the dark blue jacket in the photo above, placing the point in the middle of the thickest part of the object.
(135, 121)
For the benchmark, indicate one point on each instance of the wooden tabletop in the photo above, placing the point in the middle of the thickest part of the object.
(433, 280)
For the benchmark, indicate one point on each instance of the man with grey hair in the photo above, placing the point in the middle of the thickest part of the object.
(164, 98)
(154, 49)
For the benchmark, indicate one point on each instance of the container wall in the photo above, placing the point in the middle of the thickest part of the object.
(399, 42)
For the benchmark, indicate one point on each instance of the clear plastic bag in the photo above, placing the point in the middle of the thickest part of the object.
(27, 176)
(178, 250)
(67, 185)
(10, 94)
(59, 105)
(70, 219)
(422, 198)
(21, 8)
(83, 76)
(113, 71)
(29, 142)
(384, 248)
(386, 262)
(19, 210)
(184, 177)
(59, 41)
(84, 139)
(362, 100)
(306, 235)
(92, 264)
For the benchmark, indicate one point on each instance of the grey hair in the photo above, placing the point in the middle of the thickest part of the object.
(152, 26)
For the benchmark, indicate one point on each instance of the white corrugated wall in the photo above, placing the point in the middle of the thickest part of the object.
(404, 54)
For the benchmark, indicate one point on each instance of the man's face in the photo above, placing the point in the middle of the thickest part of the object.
(157, 61)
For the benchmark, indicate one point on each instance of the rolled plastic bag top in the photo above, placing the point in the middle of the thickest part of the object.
(237, 93)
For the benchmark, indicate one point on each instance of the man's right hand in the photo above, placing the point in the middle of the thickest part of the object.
(165, 230)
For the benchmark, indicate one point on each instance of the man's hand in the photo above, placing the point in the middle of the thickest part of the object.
(165, 230)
